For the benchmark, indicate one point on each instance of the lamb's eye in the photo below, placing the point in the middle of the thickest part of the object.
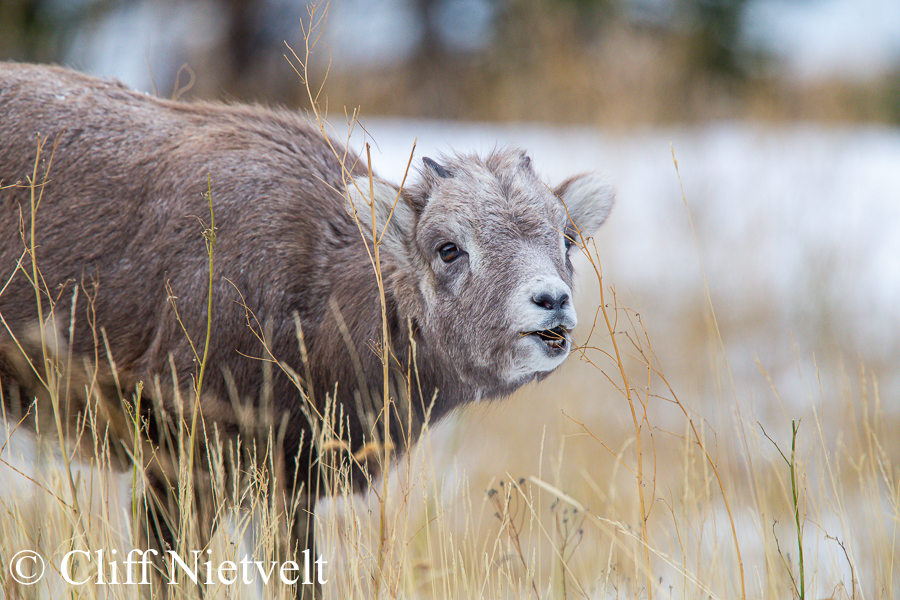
(449, 252)
(567, 238)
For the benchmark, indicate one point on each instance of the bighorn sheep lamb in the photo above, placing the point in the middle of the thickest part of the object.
(475, 261)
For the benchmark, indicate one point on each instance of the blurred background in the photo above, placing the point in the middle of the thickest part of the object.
(766, 268)
(611, 63)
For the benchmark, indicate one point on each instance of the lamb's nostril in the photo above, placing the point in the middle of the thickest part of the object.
(550, 302)
(544, 301)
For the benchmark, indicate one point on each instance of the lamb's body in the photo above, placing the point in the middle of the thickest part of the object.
(120, 218)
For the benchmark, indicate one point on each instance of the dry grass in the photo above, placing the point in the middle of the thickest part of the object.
(566, 519)
(604, 482)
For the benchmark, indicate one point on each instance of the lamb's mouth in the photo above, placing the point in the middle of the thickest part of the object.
(555, 339)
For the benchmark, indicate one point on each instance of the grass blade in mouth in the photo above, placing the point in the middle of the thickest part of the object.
(555, 334)
(555, 338)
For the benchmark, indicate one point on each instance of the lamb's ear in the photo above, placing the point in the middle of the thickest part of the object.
(390, 210)
(588, 199)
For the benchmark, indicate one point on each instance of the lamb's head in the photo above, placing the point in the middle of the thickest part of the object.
(481, 255)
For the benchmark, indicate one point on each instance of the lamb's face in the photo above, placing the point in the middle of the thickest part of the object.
(497, 281)
(485, 245)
